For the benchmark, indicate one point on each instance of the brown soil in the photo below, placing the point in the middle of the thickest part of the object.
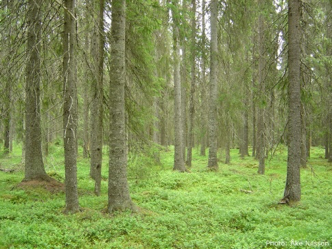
(51, 185)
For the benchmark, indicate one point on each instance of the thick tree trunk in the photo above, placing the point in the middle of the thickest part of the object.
(213, 162)
(34, 166)
(293, 185)
(70, 117)
(118, 189)
(97, 100)
(178, 119)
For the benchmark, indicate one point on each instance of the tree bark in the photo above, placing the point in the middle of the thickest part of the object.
(34, 165)
(70, 117)
(178, 119)
(118, 190)
(303, 138)
(244, 147)
(97, 100)
(261, 112)
(293, 185)
(212, 162)
(228, 140)
(192, 86)
(155, 132)
(204, 117)
(7, 115)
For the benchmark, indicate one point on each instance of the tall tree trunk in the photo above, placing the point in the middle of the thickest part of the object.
(34, 166)
(213, 162)
(245, 131)
(89, 74)
(6, 77)
(97, 100)
(261, 112)
(204, 101)
(192, 86)
(329, 85)
(86, 100)
(253, 97)
(293, 185)
(70, 117)
(178, 119)
(118, 189)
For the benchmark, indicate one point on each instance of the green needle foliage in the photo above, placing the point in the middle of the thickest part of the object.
(232, 208)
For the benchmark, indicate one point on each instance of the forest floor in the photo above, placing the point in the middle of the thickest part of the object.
(232, 208)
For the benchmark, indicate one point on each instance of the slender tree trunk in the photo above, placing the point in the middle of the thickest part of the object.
(6, 77)
(293, 185)
(329, 86)
(192, 86)
(97, 99)
(213, 162)
(303, 138)
(178, 119)
(253, 97)
(89, 74)
(329, 138)
(7, 116)
(86, 141)
(162, 122)
(245, 151)
(326, 143)
(308, 142)
(261, 112)
(34, 166)
(228, 140)
(118, 189)
(156, 153)
(245, 132)
(70, 117)
(254, 131)
(204, 117)
(86, 99)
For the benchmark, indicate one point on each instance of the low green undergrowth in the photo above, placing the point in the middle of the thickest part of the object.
(232, 208)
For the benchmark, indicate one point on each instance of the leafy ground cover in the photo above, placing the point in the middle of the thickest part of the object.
(232, 208)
